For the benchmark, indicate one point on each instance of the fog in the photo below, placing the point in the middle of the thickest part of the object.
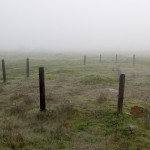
(113, 26)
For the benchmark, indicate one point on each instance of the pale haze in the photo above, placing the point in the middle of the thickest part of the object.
(75, 25)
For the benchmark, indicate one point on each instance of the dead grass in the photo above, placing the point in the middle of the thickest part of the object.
(13, 140)
(19, 109)
(1, 88)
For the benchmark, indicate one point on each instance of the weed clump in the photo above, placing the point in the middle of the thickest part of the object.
(102, 97)
(63, 111)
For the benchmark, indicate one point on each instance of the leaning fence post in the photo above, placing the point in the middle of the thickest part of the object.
(134, 59)
(84, 60)
(27, 67)
(42, 89)
(4, 70)
(121, 93)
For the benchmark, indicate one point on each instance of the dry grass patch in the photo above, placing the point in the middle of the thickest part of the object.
(13, 140)
(1, 88)
(19, 109)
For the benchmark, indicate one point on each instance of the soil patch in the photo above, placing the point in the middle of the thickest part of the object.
(137, 111)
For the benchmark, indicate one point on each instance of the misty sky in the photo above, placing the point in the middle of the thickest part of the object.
(75, 25)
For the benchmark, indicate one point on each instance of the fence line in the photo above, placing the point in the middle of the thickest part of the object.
(42, 83)
(28, 65)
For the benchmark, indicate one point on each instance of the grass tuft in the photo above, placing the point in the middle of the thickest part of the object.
(97, 79)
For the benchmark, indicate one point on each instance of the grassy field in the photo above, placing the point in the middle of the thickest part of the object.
(81, 103)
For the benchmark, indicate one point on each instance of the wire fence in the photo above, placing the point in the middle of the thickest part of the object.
(16, 68)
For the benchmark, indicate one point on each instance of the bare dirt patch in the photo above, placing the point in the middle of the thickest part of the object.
(137, 111)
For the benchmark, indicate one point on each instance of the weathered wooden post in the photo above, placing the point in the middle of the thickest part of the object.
(121, 93)
(134, 59)
(116, 59)
(4, 70)
(100, 58)
(84, 60)
(42, 89)
(27, 68)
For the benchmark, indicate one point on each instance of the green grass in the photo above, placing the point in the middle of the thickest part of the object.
(97, 79)
(81, 104)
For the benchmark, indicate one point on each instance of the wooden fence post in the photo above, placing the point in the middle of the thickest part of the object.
(42, 89)
(84, 60)
(121, 93)
(27, 68)
(100, 58)
(134, 59)
(4, 70)
(116, 59)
